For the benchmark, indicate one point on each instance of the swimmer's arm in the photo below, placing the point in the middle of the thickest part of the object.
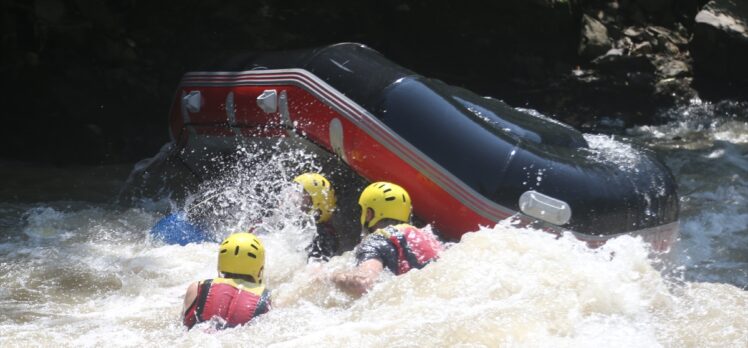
(189, 297)
(361, 279)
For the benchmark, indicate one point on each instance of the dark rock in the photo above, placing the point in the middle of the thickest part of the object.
(642, 48)
(594, 38)
(618, 64)
(666, 34)
(80, 67)
(720, 47)
(619, 86)
(614, 52)
(673, 68)
(676, 91)
(633, 31)
(638, 16)
(84, 66)
(654, 6)
(670, 48)
(51, 11)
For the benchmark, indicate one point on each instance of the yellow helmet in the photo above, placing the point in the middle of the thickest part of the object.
(389, 201)
(242, 253)
(321, 192)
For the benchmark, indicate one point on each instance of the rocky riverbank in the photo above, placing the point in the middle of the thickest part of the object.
(91, 81)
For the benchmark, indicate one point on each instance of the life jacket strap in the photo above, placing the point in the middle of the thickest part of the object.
(202, 297)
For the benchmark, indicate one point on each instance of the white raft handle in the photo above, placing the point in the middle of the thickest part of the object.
(546, 208)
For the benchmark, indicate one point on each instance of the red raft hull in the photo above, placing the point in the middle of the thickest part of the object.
(225, 104)
(312, 118)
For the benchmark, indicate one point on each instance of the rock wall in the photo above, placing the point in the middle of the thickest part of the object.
(91, 81)
(720, 49)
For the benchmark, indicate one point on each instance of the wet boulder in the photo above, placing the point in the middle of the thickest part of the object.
(594, 39)
(720, 45)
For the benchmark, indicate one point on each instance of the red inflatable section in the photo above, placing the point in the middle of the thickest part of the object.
(226, 105)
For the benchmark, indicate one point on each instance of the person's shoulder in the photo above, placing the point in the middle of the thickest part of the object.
(378, 235)
(193, 286)
(404, 226)
(388, 231)
(372, 242)
(191, 294)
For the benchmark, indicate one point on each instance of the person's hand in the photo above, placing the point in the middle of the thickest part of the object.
(360, 280)
(351, 283)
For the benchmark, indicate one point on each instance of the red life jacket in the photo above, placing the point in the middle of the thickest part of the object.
(231, 301)
(415, 248)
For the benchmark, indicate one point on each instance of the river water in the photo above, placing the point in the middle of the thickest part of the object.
(79, 270)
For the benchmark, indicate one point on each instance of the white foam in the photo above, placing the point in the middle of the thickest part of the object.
(499, 286)
(606, 149)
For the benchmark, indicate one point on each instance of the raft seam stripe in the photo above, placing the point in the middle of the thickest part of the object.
(366, 121)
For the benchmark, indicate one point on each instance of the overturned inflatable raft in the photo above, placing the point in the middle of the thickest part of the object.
(466, 160)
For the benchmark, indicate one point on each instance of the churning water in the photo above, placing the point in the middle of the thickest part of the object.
(77, 270)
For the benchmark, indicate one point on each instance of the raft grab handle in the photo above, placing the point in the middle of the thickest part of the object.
(546, 208)
(268, 101)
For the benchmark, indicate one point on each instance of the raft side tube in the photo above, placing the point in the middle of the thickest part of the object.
(465, 159)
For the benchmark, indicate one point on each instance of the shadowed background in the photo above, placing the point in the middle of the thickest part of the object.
(91, 81)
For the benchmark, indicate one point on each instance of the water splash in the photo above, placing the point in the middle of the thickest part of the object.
(705, 145)
(606, 149)
(499, 286)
